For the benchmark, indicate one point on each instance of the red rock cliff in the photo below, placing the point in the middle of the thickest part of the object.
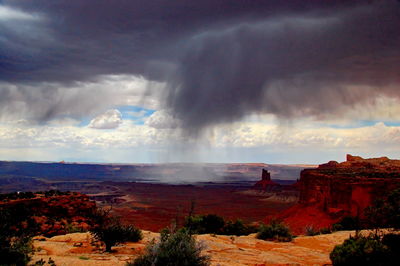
(334, 190)
(349, 187)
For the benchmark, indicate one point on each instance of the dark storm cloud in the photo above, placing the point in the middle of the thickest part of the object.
(221, 59)
(289, 66)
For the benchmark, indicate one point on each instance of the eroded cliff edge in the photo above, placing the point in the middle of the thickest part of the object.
(334, 190)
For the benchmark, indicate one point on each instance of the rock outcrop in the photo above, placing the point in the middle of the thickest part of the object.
(266, 183)
(351, 186)
(334, 190)
(77, 249)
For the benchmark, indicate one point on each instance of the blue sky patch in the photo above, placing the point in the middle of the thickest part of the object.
(364, 123)
(134, 113)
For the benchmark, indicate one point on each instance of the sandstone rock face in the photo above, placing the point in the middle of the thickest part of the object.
(77, 249)
(349, 186)
(337, 189)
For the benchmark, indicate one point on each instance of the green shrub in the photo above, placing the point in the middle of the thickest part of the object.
(275, 231)
(367, 250)
(214, 224)
(377, 248)
(15, 246)
(238, 228)
(111, 232)
(16, 251)
(205, 224)
(174, 249)
(385, 212)
(69, 228)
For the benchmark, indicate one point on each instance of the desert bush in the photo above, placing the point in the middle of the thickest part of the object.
(214, 224)
(377, 248)
(174, 249)
(275, 231)
(15, 245)
(385, 212)
(347, 223)
(111, 232)
(367, 250)
(16, 251)
(70, 228)
(311, 231)
(205, 224)
(42, 262)
(238, 228)
(325, 230)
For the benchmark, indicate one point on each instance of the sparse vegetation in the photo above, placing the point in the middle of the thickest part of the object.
(42, 262)
(21, 220)
(377, 248)
(174, 249)
(205, 224)
(214, 224)
(47, 213)
(385, 213)
(275, 231)
(347, 223)
(368, 250)
(15, 245)
(70, 228)
(238, 228)
(111, 232)
(325, 230)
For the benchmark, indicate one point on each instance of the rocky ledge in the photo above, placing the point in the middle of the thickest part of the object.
(76, 249)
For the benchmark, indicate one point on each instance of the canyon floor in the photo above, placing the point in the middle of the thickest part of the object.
(153, 206)
(77, 249)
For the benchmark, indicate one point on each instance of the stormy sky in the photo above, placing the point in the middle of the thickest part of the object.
(80, 76)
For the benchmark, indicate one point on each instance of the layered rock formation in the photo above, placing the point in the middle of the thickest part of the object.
(334, 190)
(351, 186)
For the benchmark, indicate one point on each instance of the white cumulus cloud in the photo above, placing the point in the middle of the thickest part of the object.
(109, 120)
(162, 119)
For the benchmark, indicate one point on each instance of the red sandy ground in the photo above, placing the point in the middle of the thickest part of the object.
(153, 206)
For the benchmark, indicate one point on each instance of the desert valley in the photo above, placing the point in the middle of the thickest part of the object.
(314, 207)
